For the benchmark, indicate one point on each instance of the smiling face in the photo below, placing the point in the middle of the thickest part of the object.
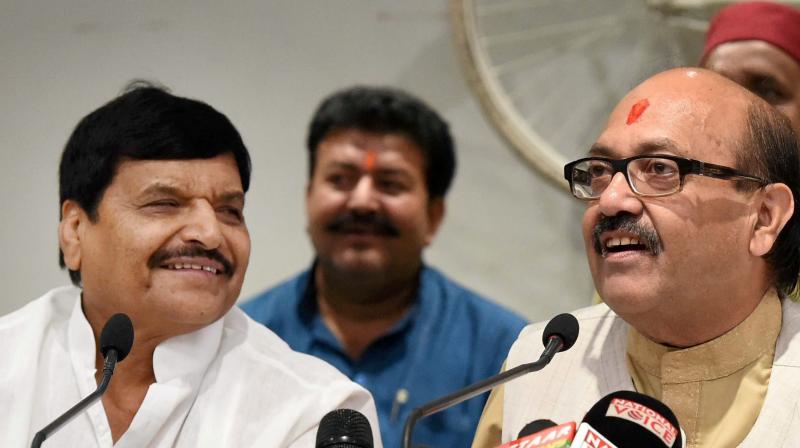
(169, 245)
(369, 214)
(764, 69)
(673, 258)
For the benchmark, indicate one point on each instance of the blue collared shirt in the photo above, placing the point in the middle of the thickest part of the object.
(450, 338)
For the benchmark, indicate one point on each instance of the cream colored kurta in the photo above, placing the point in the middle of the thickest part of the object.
(716, 389)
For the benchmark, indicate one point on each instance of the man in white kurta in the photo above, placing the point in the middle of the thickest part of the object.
(231, 384)
(152, 194)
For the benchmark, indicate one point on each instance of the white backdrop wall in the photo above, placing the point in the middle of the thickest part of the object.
(266, 64)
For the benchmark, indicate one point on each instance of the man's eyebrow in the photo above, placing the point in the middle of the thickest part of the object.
(757, 76)
(160, 188)
(233, 196)
(339, 165)
(385, 171)
(388, 171)
(654, 146)
(598, 150)
(659, 145)
(170, 190)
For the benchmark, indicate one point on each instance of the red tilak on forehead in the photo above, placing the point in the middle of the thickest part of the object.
(637, 110)
(369, 161)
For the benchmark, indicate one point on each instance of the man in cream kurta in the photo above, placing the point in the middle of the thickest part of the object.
(691, 236)
(738, 404)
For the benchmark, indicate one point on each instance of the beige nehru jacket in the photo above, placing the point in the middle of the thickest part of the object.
(716, 389)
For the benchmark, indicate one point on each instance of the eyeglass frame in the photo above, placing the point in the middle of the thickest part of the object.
(686, 167)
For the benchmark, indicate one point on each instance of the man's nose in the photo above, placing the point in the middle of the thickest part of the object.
(202, 226)
(364, 196)
(618, 198)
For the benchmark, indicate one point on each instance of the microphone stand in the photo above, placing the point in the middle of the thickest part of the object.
(108, 370)
(554, 345)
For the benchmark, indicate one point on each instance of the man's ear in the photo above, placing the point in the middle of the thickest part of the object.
(70, 231)
(775, 210)
(436, 209)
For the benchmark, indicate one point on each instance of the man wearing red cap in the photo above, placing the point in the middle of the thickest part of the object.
(757, 45)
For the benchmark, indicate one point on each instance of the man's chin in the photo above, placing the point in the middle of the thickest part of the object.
(629, 299)
(198, 317)
(357, 263)
(360, 267)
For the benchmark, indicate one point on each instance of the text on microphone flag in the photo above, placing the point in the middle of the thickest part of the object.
(644, 417)
(554, 437)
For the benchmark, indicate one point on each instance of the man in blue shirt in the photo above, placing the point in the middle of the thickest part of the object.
(380, 164)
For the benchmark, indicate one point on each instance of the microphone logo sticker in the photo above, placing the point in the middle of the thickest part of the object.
(644, 417)
(588, 437)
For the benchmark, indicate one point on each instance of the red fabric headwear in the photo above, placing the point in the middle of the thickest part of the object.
(774, 23)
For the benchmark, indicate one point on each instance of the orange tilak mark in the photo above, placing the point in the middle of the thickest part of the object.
(637, 110)
(369, 161)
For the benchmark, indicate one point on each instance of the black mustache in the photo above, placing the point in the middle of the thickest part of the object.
(376, 223)
(194, 250)
(628, 223)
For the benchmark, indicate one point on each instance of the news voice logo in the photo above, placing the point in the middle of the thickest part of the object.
(644, 417)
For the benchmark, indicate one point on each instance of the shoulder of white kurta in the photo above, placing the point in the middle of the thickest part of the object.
(56, 304)
(36, 380)
(278, 395)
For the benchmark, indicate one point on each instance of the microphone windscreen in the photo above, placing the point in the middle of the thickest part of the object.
(117, 334)
(565, 326)
(344, 428)
(535, 426)
(630, 419)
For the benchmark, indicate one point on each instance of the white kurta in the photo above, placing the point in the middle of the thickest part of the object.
(231, 384)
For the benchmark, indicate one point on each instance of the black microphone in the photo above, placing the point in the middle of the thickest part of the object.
(535, 426)
(628, 419)
(559, 335)
(344, 428)
(116, 340)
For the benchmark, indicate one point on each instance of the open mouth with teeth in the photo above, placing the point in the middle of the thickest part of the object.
(622, 244)
(191, 266)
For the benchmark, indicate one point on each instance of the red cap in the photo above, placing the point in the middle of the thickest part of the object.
(774, 23)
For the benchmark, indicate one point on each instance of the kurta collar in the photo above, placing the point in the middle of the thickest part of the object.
(179, 364)
(717, 358)
(185, 356)
(81, 347)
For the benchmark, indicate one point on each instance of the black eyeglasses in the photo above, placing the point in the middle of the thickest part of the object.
(650, 175)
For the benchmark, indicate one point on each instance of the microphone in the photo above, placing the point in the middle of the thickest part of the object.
(116, 340)
(549, 435)
(627, 419)
(535, 426)
(344, 428)
(559, 335)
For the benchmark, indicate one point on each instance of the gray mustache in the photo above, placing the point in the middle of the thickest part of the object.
(193, 250)
(627, 223)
